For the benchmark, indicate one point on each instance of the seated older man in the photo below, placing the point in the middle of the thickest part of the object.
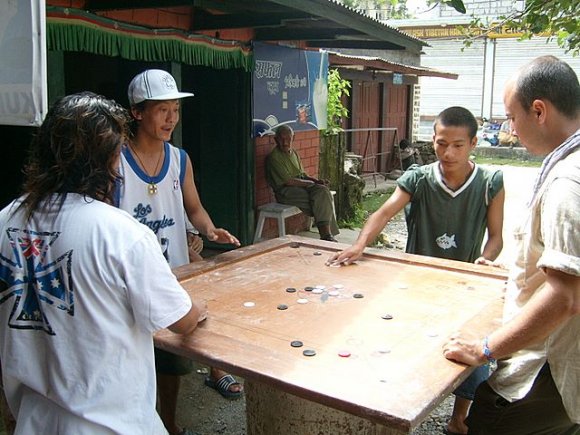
(293, 186)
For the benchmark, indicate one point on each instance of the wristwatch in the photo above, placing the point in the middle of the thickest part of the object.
(488, 355)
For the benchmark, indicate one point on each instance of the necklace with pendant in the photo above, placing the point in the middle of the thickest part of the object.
(151, 185)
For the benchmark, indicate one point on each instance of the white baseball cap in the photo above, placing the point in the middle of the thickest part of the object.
(154, 84)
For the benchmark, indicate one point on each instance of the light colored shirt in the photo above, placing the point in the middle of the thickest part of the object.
(164, 211)
(547, 239)
(84, 288)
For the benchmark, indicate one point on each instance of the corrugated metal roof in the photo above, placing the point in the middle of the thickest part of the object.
(377, 63)
(340, 4)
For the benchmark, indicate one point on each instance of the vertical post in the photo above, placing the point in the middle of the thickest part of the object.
(177, 138)
(488, 78)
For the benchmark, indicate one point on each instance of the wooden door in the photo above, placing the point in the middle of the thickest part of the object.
(366, 115)
(397, 115)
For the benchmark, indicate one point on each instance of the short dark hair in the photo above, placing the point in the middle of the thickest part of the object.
(457, 117)
(549, 78)
(74, 151)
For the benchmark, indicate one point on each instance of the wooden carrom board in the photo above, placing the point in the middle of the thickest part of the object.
(395, 374)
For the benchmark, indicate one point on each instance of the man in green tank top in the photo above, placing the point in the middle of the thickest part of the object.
(449, 205)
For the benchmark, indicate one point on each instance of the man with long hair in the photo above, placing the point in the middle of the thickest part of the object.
(83, 286)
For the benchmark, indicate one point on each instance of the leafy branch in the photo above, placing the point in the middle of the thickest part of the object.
(552, 18)
(337, 87)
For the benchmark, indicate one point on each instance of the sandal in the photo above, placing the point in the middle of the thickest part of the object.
(223, 385)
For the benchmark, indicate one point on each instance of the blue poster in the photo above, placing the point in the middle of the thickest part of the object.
(290, 86)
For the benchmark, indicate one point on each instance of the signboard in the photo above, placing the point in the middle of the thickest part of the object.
(23, 98)
(451, 31)
(290, 86)
(397, 79)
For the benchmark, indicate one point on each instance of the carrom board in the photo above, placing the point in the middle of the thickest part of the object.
(377, 327)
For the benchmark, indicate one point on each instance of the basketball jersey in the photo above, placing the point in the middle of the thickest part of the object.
(445, 223)
(164, 211)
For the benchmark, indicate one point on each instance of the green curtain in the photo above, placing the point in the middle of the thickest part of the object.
(76, 30)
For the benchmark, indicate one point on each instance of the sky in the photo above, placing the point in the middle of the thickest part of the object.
(418, 8)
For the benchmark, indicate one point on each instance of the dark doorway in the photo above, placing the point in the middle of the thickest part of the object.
(214, 123)
(215, 131)
(15, 145)
(108, 76)
(216, 135)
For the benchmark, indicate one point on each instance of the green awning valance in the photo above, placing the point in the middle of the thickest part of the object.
(76, 30)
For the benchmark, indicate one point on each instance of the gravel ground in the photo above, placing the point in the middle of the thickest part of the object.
(205, 412)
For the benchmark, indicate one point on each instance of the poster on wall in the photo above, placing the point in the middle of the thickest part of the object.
(290, 86)
(23, 95)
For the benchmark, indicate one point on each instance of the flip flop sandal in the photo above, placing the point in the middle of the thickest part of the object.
(223, 385)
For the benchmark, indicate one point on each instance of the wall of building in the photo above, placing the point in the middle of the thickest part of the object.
(483, 68)
(483, 72)
(483, 8)
(307, 145)
(170, 17)
(179, 18)
(400, 56)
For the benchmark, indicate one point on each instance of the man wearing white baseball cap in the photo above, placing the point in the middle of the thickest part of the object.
(155, 85)
(158, 189)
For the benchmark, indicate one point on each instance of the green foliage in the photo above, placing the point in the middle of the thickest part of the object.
(337, 87)
(553, 18)
(499, 161)
(360, 217)
(455, 4)
(370, 203)
(398, 9)
(355, 4)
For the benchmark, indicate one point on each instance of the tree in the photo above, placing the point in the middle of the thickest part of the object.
(337, 87)
(554, 18)
(394, 8)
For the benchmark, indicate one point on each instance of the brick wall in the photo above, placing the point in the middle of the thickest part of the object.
(166, 18)
(77, 4)
(179, 17)
(307, 145)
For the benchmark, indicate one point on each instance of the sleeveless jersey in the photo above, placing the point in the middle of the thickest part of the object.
(163, 211)
(445, 223)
